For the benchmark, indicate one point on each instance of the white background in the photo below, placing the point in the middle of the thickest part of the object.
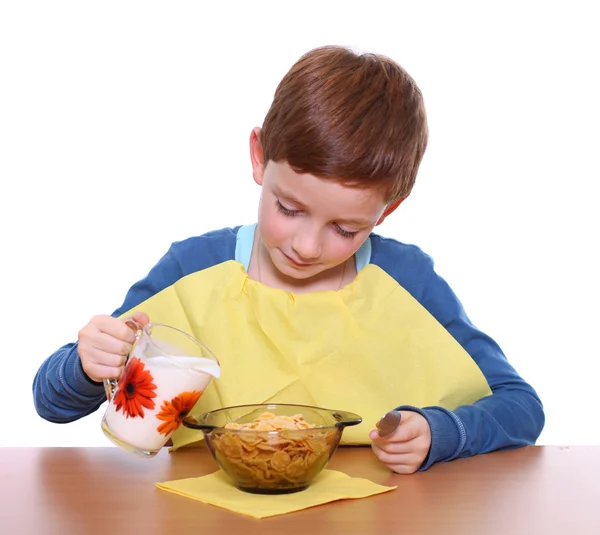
(124, 126)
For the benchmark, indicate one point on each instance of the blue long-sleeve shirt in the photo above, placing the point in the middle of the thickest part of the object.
(511, 417)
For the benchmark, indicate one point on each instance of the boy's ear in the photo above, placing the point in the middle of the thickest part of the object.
(390, 209)
(257, 156)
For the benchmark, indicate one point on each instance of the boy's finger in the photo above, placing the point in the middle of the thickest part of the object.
(110, 344)
(110, 360)
(395, 448)
(396, 460)
(135, 322)
(142, 318)
(115, 328)
(404, 433)
(98, 373)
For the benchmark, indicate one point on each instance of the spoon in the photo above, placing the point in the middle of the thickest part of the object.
(388, 423)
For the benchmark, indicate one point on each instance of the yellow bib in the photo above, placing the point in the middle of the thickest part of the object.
(367, 348)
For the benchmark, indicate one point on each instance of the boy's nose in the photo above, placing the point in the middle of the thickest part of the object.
(307, 246)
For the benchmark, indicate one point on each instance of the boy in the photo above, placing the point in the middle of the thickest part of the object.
(309, 305)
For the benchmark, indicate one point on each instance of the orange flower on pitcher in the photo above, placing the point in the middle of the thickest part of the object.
(135, 389)
(173, 412)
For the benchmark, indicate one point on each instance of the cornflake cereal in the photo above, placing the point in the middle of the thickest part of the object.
(281, 460)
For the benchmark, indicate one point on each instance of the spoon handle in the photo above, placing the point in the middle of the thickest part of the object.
(388, 423)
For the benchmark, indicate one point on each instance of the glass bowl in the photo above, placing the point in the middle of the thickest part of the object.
(272, 448)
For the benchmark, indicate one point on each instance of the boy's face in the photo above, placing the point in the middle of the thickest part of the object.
(309, 225)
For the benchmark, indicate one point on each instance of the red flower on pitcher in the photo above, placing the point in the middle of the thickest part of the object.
(135, 389)
(173, 412)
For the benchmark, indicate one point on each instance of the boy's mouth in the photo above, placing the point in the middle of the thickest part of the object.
(296, 263)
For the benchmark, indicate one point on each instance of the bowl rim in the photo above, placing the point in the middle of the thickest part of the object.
(346, 418)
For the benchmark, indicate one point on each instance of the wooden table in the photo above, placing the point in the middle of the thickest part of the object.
(106, 490)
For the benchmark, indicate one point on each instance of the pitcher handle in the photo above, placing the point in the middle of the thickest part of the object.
(110, 385)
(346, 419)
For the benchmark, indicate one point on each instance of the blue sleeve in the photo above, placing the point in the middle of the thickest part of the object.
(511, 417)
(62, 392)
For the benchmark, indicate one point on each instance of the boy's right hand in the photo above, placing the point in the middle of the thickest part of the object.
(104, 344)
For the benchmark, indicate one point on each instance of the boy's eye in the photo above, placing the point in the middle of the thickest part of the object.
(345, 233)
(293, 213)
(287, 211)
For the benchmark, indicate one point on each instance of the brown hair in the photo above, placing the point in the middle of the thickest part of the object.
(355, 118)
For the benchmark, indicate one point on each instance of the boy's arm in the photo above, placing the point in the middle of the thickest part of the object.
(512, 416)
(62, 392)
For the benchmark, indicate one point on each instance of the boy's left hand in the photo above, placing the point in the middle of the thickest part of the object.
(407, 447)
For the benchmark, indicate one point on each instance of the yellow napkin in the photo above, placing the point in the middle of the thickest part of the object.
(217, 489)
